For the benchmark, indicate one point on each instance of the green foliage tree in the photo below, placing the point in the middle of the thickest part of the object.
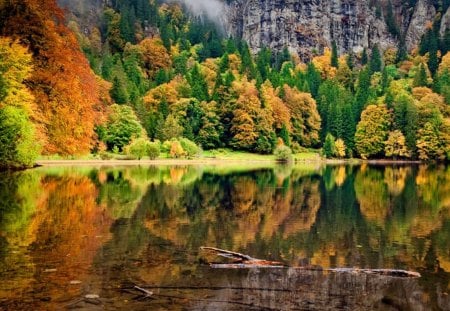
(198, 84)
(376, 62)
(263, 62)
(390, 20)
(247, 65)
(329, 146)
(364, 57)
(442, 84)
(190, 148)
(138, 147)
(171, 128)
(433, 60)
(122, 126)
(362, 93)
(284, 135)
(405, 118)
(313, 79)
(154, 150)
(283, 154)
(211, 128)
(19, 147)
(421, 79)
(119, 92)
(334, 55)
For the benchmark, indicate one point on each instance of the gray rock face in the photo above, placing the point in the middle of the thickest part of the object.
(423, 14)
(305, 26)
(445, 23)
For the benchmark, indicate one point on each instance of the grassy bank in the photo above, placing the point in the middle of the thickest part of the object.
(205, 156)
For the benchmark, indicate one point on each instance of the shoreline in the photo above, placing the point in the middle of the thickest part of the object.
(217, 161)
(41, 163)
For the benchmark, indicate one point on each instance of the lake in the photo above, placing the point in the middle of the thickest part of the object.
(83, 238)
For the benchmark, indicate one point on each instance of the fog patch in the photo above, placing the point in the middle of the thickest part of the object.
(214, 10)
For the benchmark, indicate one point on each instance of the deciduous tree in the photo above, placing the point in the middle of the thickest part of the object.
(372, 131)
(395, 146)
(64, 87)
(305, 118)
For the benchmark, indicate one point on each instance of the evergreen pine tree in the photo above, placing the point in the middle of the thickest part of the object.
(376, 62)
(364, 57)
(401, 51)
(391, 22)
(198, 84)
(166, 33)
(350, 60)
(362, 93)
(118, 92)
(329, 147)
(247, 65)
(231, 46)
(334, 55)
(284, 135)
(126, 26)
(433, 61)
(421, 78)
(263, 62)
(224, 63)
(314, 79)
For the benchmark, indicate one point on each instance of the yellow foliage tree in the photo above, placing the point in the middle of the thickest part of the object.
(246, 110)
(323, 64)
(281, 114)
(168, 92)
(445, 63)
(395, 146)
(340, 148)
(305, 118)
(15, 67)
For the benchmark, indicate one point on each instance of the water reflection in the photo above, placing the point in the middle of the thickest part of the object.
(69, 232)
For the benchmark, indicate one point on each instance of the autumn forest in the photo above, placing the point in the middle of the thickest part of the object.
(150, 79)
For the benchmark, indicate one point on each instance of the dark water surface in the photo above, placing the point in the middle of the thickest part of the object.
(82, 238)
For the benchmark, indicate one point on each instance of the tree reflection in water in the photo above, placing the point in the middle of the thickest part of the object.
(69, 232)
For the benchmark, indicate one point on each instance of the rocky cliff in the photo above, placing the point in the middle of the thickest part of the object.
(305, 26)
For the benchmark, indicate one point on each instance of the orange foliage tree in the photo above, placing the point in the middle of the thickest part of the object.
(65, 88)
(155, 56)
(281, 113)
(246, 110)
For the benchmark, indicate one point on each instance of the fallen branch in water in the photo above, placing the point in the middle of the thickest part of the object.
(242, 261)
(148, 294)
(387, 272)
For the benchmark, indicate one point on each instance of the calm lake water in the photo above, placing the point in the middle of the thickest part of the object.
(82, 238)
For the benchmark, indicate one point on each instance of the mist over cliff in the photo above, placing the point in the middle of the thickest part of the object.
(214, 9)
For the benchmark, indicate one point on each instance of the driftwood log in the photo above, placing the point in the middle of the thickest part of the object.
(242, 261)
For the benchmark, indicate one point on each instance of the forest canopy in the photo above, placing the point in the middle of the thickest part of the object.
(172, 76)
